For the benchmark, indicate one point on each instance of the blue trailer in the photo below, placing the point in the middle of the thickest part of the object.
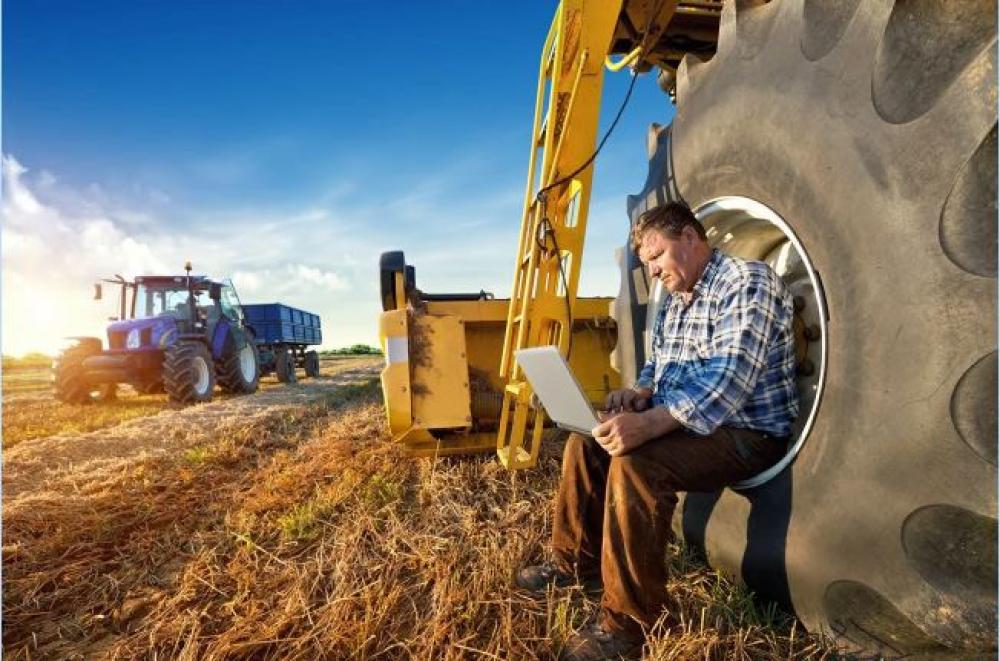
(282, 334)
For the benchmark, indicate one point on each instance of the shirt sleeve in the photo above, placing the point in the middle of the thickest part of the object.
(719, 385)
(647, 376)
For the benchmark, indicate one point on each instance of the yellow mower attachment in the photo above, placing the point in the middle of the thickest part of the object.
(441, 383)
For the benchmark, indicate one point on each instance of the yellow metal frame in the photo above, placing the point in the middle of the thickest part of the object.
(564, 134)
(440, 384)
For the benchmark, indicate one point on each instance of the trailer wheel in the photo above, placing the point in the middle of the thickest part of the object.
(312, 364)
(69, 380)
(869, 129)
(239, 371)
(284, 365)
(188, 373)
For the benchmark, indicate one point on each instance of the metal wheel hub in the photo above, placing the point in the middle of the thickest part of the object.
(745, 228)
(201, 376)
(248, 365)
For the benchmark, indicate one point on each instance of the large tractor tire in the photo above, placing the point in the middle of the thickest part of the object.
(69, 383)
(188, 373)
(312, 364)
(239, 370)
(852, 144)
(151, 387)
(108, 392)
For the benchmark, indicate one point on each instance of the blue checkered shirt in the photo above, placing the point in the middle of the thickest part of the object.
(728, 356)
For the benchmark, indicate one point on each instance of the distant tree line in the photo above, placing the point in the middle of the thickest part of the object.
(27, 361)
(353, 350)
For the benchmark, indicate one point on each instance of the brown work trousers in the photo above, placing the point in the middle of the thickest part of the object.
(613, 514)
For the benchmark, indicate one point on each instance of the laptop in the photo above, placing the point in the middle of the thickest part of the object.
(557, 388)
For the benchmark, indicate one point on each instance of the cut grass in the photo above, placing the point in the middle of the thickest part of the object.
(308, 534)
(30, 411)
(42, 415)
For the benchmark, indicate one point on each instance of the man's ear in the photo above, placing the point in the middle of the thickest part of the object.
(689, 234)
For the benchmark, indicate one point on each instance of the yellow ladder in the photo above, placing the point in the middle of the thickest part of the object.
(547, 268)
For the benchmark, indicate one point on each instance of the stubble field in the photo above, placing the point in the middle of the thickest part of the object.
(287, 525)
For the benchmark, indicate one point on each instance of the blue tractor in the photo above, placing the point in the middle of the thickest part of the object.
(175, 334)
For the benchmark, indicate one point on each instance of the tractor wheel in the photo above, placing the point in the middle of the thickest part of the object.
(188, 373)
(108, 392)
(284, 365)
(239, 372)
(312, 364)
(853, 146)
(150, 387)
(69, 383)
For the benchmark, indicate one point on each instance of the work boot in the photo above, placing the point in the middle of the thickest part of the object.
(537, 578)
(595, 644)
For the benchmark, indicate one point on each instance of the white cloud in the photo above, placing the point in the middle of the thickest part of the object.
(16, 196)
(325, 279)
(321, 256)
(54, 251)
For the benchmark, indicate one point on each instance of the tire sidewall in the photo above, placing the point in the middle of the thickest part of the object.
(69, 368)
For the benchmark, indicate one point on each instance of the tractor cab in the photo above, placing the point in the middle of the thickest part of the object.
(153, 308)
(203, 301)
(170, 296)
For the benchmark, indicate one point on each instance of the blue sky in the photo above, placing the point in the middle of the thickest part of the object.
(285, 144)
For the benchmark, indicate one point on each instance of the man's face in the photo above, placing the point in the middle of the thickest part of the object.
(673, 261)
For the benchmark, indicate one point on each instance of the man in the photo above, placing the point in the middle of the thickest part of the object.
(713, 405)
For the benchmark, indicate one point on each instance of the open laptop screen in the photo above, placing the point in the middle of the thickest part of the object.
(557, 388)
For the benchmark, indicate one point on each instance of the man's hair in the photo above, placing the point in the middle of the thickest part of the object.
(670, 218)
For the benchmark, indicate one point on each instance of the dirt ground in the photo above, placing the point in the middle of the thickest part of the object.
(288, 525)
(30, 411)
(69, 459)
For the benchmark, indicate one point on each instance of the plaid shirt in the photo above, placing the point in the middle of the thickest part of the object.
(728, 356)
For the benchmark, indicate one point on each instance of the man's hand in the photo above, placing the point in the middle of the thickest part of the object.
(628, 399)
(620, 434)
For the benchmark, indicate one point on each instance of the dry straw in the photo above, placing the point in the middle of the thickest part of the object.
(308, 535)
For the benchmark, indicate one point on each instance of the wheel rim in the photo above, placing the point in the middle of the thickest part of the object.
(746, 228)
(248, 366)
(201, 378)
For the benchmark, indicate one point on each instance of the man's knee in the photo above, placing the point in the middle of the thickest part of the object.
(578, 446)
(624, 474)
(639, 484)
(638, 471)
(632, 467)
(579, 451)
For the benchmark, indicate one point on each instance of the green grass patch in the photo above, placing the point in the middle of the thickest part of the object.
(197, 455)
(353, 350)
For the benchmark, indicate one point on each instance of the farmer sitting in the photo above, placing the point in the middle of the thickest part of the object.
(713, 405)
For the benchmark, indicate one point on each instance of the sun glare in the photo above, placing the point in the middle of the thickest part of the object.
(38, 317)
